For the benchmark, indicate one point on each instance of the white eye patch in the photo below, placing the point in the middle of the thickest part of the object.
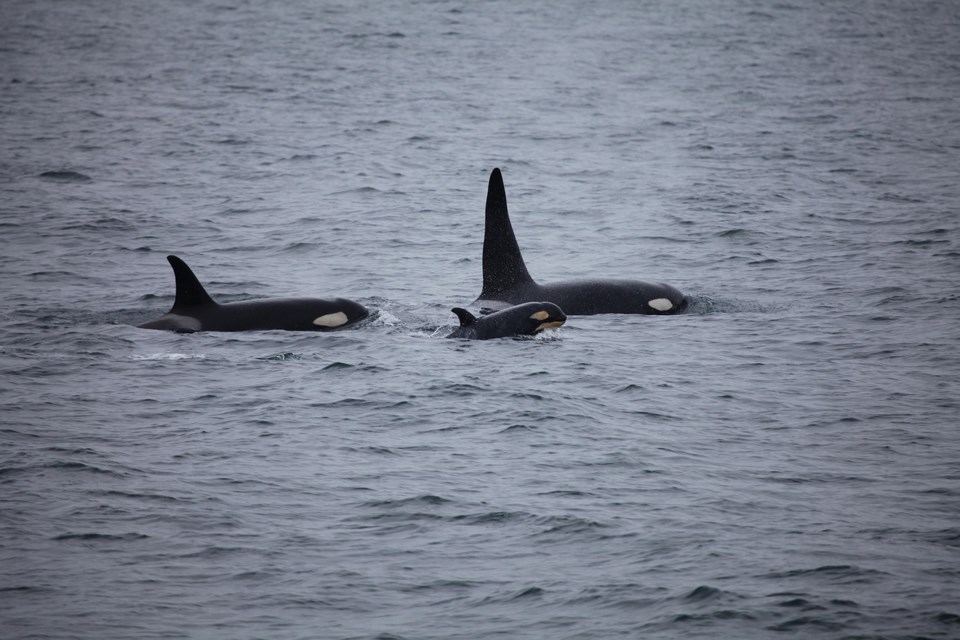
(661, 304)
(331, 320)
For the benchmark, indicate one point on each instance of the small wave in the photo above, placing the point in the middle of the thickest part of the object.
(901, 198)
(523, 594)
(949, 537)
(518, 395)
(216, 552)
(138, 496)
(344, 402)
(568, 525)
(285, 355)
(439, 585)
(800, 603)
(528, 592)
(74, 450)
(384, 451)
(519, 427)
(429, 499)
(842, 573)
(363, 190)
(568, 493)
(403, 518)
(653, 415)
(79, 466)
(122, 537)
(334, 366)
(702, 593)
(26, 589)
(722, 614)
(65, 176)
(459, 389)
(5, 471)
(494, 517)
(169, 356)
(925, 242)
(100, 225)
(299, 246)
(731, 232)
(232, 141)
(811, 623)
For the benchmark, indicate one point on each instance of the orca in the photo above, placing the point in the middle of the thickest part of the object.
(194, 310)
(506, 280)
(519, 320)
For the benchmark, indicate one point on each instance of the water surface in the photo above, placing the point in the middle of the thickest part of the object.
(781, 460)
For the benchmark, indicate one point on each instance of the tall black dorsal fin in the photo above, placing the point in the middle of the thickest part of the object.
(466, 318)
(190, 293)
(503, 266)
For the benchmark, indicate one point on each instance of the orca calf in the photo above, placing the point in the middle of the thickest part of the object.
(194, 310)
(506, 280)
(520, 320)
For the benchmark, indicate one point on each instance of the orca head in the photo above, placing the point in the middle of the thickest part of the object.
(543, 316)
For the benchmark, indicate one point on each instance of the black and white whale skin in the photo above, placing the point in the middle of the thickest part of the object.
(526, 319)
(506, 280)
(194, 310)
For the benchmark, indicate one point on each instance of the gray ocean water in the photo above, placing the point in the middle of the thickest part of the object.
(782, 460)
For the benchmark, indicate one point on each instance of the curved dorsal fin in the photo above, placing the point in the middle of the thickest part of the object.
(190, 293)
(503, 266)
(466, 318)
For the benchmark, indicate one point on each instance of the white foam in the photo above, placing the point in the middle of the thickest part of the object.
(548, 335)
(170, 356)
(385, 319)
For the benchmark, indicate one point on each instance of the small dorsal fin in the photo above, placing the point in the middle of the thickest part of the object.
(466, 318)
(503, 266)
(190, 293)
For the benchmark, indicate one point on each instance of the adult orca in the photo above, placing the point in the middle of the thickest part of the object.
(194, 310)
(506, 280)
(520, 320)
